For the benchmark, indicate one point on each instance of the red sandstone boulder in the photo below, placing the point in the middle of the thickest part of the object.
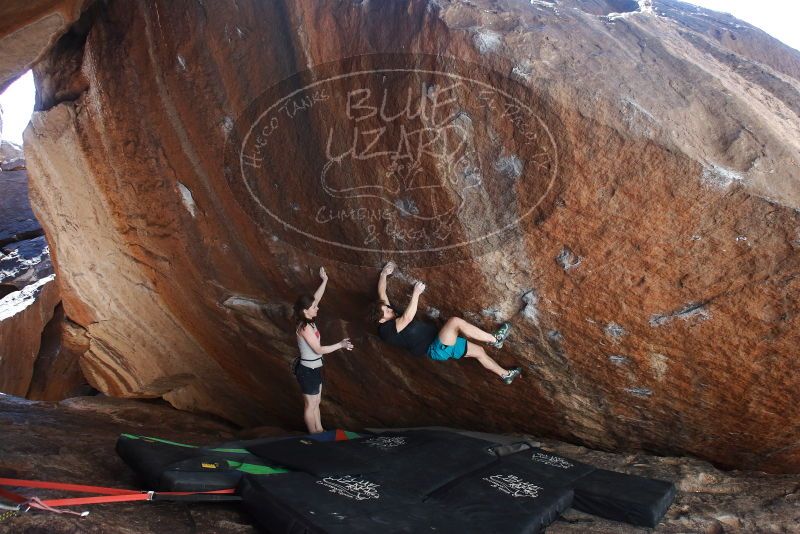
(619, 179)
(56, 372)
(28, 28)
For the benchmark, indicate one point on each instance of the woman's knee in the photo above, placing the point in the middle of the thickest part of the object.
(454, 324)
(476, 351)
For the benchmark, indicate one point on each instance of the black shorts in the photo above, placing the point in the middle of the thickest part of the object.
(310, 380)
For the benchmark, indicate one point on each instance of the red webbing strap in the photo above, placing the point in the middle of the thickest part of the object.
(340, 435)
(97, 500)
(107, 495)
(80, 488)
(13, 497)
(139, 496)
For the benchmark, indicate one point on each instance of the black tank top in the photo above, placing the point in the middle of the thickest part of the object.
(415, 337)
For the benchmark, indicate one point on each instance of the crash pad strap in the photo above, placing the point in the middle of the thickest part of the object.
(80, 488)
(221, 495)
(13, 497)
(106, 495)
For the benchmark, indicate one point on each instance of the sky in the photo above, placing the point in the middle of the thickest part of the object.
(17, 103)
(779, 18)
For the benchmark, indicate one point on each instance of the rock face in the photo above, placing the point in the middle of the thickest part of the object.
(28, 298)
(28, 28)
(620, 179)
(56, 371)
(73, 441)
(17, 221)
(24, 262)
(23, 316)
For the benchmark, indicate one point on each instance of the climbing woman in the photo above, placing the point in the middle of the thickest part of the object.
(308, 368)
(455, 340)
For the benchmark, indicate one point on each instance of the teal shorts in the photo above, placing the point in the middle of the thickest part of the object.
(439, 351)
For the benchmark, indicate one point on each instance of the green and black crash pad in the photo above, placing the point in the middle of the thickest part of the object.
(172, 466)
(314, 457)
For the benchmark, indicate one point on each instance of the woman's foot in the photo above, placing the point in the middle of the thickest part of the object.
(511, 375)
(501, 335)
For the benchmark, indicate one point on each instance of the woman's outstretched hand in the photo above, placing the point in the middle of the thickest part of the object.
(419, 287)
(346, 344)
(323, 274)
(388, 268)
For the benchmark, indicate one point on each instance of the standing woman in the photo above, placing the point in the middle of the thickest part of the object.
(309, 368)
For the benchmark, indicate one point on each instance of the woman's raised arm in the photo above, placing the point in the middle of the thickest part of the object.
(321, 289)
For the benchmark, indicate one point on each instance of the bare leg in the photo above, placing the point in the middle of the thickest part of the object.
(310, 411)
(455, 326)
(318, 416)
(477, 352)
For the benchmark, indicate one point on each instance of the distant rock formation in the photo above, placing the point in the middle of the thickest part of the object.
(620, 179)
(11, 156)
(39, 347)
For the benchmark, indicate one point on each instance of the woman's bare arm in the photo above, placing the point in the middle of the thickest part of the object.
(411, 311)
(387, 270)
(307, 332)
(321, 289)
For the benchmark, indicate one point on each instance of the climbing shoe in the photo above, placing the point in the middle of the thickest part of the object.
(512, 374)
(501, 335)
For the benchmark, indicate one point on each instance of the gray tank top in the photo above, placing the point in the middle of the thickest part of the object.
(308, 357)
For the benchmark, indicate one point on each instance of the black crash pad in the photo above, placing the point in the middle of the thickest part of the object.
(295, 503)
(504, 497)
(170, 466)
(548, 467)
(317, 458)
(418, 461)
(435, 459)
(617, 496)
(621, 497)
